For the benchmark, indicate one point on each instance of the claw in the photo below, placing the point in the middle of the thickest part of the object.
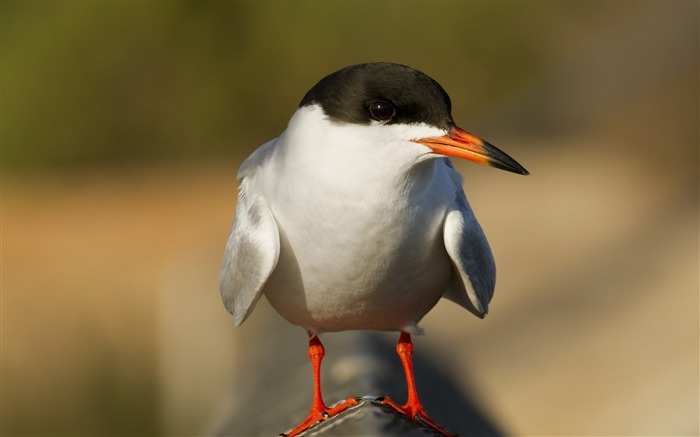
(316, 417)
(319, 411)
(412, 408)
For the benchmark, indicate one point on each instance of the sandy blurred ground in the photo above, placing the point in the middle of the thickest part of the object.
(112, 325)
(85, 262)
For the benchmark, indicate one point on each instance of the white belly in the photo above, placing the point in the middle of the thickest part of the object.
(348, 262)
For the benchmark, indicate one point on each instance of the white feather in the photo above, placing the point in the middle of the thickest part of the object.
(351, 231)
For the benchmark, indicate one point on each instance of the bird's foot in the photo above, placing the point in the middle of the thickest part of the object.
(414, 410)
(321, 413)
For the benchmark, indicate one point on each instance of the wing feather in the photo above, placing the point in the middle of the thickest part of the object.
(251, 254)
(474, 274)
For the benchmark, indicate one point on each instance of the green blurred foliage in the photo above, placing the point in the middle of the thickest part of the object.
(113, 82)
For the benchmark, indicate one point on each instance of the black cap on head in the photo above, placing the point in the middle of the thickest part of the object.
(360, 94)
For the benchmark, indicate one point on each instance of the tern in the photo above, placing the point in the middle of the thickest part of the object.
(354, 218)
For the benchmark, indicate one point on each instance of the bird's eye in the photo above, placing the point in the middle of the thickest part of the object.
(381, 110)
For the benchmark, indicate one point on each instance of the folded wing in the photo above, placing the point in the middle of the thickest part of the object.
(474, 271)
(251, 254)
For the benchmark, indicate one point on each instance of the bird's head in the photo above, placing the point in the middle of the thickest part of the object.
(405, 103)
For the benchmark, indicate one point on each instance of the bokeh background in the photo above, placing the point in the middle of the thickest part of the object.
(123, 124)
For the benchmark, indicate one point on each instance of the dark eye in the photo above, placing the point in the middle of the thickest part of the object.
(381, 110)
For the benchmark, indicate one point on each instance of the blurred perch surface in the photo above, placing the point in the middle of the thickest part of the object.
(363, 364)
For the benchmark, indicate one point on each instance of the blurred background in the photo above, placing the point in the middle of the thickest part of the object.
(123, 125)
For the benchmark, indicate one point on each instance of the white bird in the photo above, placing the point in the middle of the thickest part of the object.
(353, 218)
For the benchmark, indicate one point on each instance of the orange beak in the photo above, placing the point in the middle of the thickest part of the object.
(462, 144)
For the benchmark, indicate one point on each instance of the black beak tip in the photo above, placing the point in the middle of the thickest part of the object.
(499, 159)
(511, 165)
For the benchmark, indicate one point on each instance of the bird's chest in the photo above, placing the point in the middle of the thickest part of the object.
(353, 234)
(350, 252)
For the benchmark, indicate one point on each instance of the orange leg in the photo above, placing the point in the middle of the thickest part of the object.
(412, 408)
(319, 410)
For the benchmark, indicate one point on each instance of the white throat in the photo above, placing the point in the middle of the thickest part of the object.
(348, 154)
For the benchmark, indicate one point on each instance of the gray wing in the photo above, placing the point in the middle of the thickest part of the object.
(474, 274)
(251, 254)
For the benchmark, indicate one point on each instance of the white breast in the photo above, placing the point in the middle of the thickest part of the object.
(360, 225)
